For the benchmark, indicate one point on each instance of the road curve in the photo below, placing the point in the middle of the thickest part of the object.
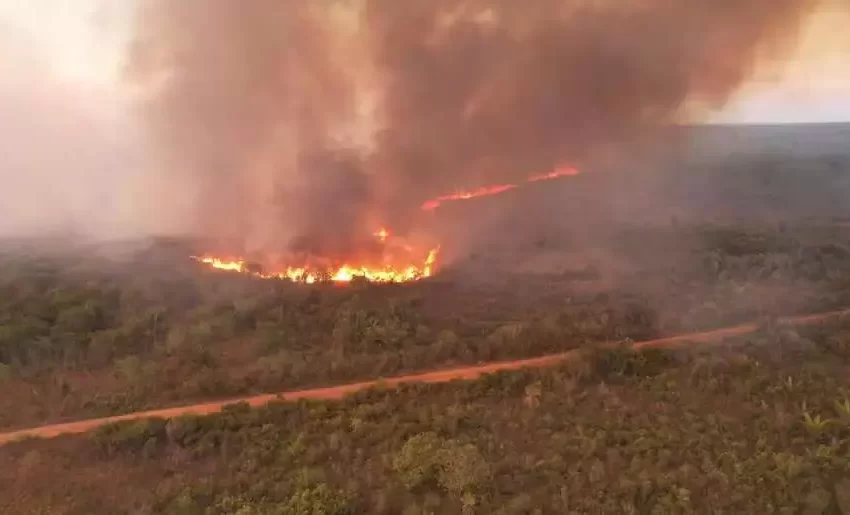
(439, 376)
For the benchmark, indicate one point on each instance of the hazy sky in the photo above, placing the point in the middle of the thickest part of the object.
(82, 41)
(814, 85)
(71, 154)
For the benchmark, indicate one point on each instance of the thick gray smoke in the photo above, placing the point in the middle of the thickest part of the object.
(305, 124)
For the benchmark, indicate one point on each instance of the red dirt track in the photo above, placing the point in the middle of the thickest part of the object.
(440, 376)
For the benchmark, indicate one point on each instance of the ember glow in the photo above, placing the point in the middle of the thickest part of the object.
(382, 235)
(233, 266)
(486, 191)
(564, 171)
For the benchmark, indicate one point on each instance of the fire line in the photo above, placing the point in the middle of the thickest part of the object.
(341, 274)
(486, 191)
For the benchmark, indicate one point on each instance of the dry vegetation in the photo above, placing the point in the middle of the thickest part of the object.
(83, 336)
(760, 425)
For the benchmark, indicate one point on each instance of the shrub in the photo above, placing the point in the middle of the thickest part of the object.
(130, 436)
(621, 361)
(417, 462)
(5, 372)
(426, 460)
(315, 500)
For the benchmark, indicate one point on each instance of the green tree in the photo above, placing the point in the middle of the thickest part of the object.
(418, 461)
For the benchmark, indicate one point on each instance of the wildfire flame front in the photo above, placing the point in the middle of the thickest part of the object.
(378, 272)
(344, 273)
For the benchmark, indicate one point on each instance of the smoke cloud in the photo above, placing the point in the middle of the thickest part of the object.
(303, 125)
(72, 162)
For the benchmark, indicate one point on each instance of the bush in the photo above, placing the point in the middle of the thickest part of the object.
(622, 361)
(5, 372)
(417, 463)
(426, 460)
(130, 436)
(315, 500)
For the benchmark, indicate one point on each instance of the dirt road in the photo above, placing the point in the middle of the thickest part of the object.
(440, 376)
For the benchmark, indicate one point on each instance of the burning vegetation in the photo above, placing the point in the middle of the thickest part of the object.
(387, 272)
(395, 260)
(496, 189)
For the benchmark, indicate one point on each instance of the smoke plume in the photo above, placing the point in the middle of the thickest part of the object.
(304, 124)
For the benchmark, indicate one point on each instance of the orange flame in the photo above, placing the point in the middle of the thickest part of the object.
(486, 191)
(220, 264)
(342, 274)
(382, 235)
(564, 171)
